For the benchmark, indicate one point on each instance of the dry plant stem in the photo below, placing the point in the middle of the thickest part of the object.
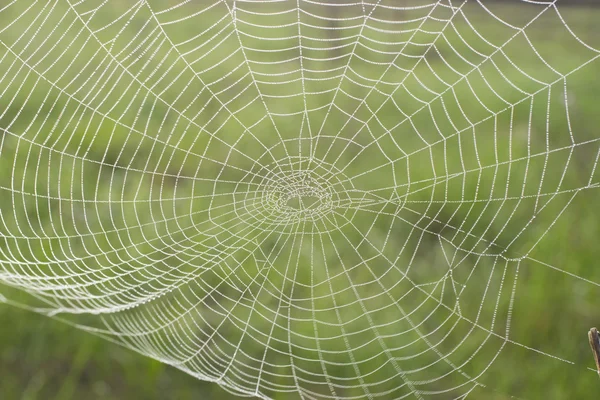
(595, 345)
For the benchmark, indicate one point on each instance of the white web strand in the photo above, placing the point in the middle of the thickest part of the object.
(325, 199)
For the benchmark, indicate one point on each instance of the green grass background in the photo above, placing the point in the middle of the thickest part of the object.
(42, 358)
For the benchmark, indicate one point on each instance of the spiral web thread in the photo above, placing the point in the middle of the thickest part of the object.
(324, 199)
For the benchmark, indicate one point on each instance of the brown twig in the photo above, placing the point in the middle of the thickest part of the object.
(594, 338)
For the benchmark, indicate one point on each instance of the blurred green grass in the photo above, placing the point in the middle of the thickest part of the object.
(45, 359)
(41, 358)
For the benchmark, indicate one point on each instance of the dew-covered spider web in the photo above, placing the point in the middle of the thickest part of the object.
(304, 199)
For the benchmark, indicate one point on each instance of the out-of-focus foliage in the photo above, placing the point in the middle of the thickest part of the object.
(41, 358)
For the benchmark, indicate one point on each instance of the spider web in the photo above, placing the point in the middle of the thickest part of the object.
(324, 199)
